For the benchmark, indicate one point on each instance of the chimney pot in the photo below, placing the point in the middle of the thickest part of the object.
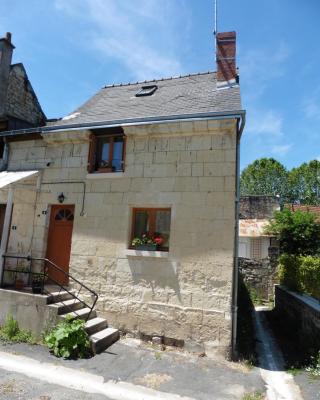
(8, 36)
(226, 58)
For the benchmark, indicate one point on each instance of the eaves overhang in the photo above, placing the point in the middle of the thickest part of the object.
(238, 114)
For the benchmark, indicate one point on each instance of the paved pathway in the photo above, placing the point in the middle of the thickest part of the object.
(280, 384)
(133, 372)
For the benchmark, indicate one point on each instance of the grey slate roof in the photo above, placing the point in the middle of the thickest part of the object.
(190, 94)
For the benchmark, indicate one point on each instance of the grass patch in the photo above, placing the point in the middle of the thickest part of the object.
(294, 370)
(253, 396)
(11, 333)
(153, 381)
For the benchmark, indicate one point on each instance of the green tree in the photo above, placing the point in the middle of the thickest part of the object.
(304, 183)
(298, 232)
(265, 176)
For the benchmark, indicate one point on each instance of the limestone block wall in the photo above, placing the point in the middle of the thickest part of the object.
(189, 167)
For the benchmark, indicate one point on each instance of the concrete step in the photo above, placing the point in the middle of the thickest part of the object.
(68, 306)
(55, 297)
(95, 325)
(79, 314)
(103, 339)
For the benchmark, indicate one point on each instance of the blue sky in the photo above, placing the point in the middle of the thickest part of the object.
(71, 48)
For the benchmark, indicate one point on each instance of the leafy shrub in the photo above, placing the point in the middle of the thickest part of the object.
(314, 367)
(69, 339)
(300, 273)
(10, 332)
(298, 232)
(289, 272)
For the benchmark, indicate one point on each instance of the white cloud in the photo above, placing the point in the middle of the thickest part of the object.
(311, 105)
(281, 150)
(137, 33)
(260, 67)
(261, 122)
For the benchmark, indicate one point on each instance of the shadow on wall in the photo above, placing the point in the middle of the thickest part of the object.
(155, 274)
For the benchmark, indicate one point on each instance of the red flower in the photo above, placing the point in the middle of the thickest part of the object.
(158, 240)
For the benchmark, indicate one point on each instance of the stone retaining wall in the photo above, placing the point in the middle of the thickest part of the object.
(30, 310)
(302, 313)
(259, 275)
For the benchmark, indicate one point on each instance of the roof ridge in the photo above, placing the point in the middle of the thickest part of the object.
(159, 80)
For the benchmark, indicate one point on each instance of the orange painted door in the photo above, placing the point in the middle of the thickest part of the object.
(59, 241)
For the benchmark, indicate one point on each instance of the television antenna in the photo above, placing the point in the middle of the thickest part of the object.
(215, 30)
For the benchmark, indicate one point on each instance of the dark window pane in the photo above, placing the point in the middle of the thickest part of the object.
(63, 215)
(162, 228)
(141, 223)
(104, 162)
(117, 153)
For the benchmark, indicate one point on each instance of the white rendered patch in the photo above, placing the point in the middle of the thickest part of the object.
(70, 116)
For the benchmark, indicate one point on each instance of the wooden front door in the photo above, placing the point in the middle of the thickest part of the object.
(59, 241)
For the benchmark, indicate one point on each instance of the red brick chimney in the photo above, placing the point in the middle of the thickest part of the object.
(226, 59)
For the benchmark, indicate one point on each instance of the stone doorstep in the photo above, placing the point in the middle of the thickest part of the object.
(63, 304)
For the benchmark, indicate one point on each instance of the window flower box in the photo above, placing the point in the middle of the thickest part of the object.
(146, 247)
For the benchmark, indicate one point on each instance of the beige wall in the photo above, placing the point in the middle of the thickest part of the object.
(189, 167)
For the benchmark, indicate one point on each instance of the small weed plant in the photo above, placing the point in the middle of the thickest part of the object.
(314, 367)
(10, 332)
(253, 396)
(69, 339)
(255, 296)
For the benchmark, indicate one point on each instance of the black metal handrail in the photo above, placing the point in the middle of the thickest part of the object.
(45, 275)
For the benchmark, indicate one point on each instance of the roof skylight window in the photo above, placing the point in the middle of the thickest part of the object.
(147, 90)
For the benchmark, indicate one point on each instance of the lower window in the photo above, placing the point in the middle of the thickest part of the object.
(151, 229)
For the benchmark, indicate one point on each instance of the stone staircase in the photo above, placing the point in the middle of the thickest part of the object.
(100, 335)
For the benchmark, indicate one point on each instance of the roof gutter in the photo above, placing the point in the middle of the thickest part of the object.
(235, 278)
(239, 114)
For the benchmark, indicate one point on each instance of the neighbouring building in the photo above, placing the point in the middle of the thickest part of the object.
(254, 215)
(258, 251)
(159, 158)
(19, 106)
(305, 208)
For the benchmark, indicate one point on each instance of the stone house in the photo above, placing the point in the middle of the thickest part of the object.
(159, 158)
(255, 213)
(258, 251)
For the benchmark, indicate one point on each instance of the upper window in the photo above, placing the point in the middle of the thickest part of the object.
(151, 229)
(147, 90)
(256, 248)
(106, 152)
